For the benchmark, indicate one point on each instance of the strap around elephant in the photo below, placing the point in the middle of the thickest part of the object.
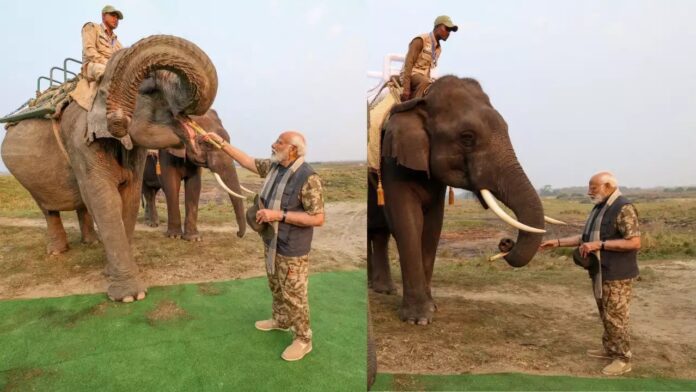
(55, 125)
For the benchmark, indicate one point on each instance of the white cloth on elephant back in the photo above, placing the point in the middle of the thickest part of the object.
(379, 113)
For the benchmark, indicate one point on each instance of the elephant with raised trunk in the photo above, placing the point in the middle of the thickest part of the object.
(100, 175)
(175, 167)
(452, 136)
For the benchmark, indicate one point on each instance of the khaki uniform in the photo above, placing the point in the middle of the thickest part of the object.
(423, 52)
(289, 280)
(97, 49)
(616, 296)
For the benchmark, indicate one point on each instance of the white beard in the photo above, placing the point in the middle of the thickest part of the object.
(597, 199)
(279, 156)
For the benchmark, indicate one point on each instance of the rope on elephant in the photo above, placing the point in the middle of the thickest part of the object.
(55, 125)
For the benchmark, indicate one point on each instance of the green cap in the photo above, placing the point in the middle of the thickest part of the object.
(109, 9)
(447, 21)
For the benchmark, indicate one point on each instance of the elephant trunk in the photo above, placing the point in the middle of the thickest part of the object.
(518, 194)
(226, 170)
(129, 67)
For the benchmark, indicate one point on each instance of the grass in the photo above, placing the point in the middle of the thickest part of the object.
(342, 182)
(185, 337)
(668, 224)
(522, 382)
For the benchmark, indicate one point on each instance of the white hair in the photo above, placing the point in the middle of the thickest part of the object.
(606, 177)
(298, 140)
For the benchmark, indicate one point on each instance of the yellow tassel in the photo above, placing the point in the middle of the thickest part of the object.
(380, 193)
(451, 196)
(158, 169)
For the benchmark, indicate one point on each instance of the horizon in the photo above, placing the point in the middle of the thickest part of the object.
(553, 187)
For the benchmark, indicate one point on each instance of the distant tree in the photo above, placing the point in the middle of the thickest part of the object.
(547, 190)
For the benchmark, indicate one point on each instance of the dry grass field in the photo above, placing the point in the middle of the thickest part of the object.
(540, 319)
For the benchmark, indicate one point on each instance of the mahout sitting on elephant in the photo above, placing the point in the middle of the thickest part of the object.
(452, 136)
(100, 173)
(175, 167)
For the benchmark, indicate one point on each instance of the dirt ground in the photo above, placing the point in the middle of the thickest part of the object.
(26, 272)
(539, 319)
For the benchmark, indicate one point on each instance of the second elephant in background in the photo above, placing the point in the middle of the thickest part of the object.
(176, 166)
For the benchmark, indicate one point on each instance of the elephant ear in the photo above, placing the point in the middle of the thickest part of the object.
(405, 138)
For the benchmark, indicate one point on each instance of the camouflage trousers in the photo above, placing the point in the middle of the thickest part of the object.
(288, 285)
(613, 310)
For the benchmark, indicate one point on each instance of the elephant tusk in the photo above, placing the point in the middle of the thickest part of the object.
(498, 256)
(554, 221)
(246, 190)
(493, 204)
(230, 191)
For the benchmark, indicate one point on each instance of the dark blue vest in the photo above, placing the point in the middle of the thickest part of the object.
(293, 240)
(615, 265)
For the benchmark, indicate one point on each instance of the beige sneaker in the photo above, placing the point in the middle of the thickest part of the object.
(297, 350)
(598, 354)
(617, 367)
(268, 325)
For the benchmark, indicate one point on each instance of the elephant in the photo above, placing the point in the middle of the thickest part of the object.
(92, 160)
(175, 168)
(452, 136)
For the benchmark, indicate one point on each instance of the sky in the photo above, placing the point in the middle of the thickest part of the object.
(584, 86)
(281, 64)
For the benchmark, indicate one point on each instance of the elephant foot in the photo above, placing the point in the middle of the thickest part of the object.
(56, 249)
(90, 240)
(174, 234)
(417, 314)
(195, 237)
(152, 224)
(127, 291)
(387, 288)
(128, 299)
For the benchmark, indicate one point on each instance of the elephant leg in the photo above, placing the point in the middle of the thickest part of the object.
(56, 238)
(406, 223)
(192, 194)
(107, 206)
(432, 227)
(89, 235)
(151, 216)
(130, 196)
(378, 271)
(171, 187)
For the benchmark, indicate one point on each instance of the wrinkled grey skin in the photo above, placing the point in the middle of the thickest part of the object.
(175, 169)
(102, 179)
(453, 136)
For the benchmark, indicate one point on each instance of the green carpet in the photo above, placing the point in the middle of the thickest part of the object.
(523, 382)
(186, 337)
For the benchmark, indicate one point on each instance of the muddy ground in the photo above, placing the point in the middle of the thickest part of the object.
(539, 319)
(26, 272)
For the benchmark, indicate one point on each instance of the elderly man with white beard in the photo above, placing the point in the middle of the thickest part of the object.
(292, 203)
(608, 249)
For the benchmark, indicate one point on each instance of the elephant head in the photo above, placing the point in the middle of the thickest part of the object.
(221, 164)
(456, 136)
(150, 89)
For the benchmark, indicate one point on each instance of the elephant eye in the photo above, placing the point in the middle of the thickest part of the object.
(468, 139)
